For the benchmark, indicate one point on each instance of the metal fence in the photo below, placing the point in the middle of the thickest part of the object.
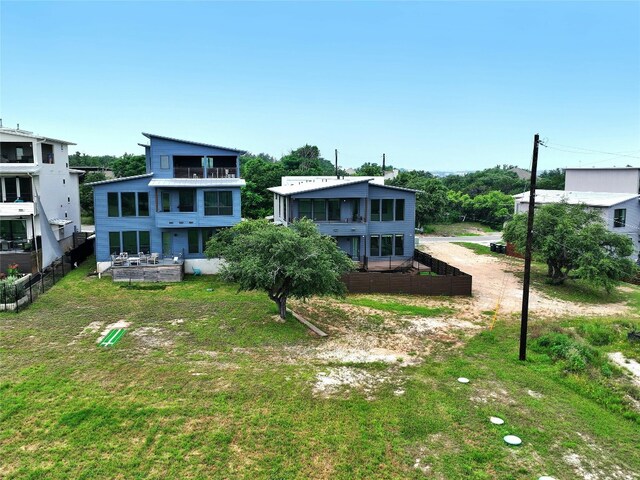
(16, 297)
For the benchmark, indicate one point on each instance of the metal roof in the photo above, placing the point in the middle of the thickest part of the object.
(153, 135)
(120, 179)
(60, 222)
(333, 183)
(19, 167)
(592, 199)
(24, 133)
(197, 182)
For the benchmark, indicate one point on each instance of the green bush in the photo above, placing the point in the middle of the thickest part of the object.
(8, 290)
(597, 333)
(576, 356)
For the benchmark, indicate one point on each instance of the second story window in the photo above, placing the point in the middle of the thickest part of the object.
(387, 210)
(143, 204)
(218, 203)
(47, 153)
(619, 217)
(187, 202)
(113, 207)
(128, 200)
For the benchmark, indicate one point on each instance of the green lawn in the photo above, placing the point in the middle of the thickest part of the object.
(204, 384)
(470, 229)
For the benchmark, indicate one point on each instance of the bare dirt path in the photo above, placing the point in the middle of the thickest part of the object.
(493, 282)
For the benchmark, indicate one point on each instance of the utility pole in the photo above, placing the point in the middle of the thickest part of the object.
(527, 256)
(337, 176)
(384, 163)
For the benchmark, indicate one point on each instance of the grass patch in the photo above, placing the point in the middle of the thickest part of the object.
(479, 249)
(223, 400)
(467, 229)
(399, 308)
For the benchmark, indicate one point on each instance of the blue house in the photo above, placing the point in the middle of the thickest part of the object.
(372, 222)
(190, 190)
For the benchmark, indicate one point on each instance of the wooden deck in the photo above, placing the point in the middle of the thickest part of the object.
(148, 273)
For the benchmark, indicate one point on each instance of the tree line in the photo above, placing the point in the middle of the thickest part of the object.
(484, 196)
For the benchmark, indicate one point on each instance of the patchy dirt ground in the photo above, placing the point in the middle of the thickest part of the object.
(493, 282)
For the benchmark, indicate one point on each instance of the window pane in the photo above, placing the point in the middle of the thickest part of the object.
(114, 243)
(130, 242)
(387, 210)
(194, 241)
(128, 200)
(143, 204)
(164, 162)
(25, 189)
(11, 189)
(356, 210)
(145, 241)
(226, 203)
(304, 208)
(375, 210)
(319, 210)
(112, 207)
(186, 201)
(165, 198)
(399, 209)
(399, 245)
(375, 246)
(334, 209)
(387, 245)
(619, 217)
(210, 203)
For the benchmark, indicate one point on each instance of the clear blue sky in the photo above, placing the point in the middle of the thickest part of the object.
(436, 86)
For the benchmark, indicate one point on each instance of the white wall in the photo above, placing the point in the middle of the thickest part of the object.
(622, 180)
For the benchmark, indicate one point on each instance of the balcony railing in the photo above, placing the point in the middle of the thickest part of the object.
(12, 197)
(23, 159)
(199, 172)
(188, 172)
(220, 172)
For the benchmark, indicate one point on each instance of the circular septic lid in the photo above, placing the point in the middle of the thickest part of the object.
(545, 477)
(512, 440)
(496, 420)
(463, 380)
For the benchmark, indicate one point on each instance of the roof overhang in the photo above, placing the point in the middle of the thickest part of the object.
(196, 182)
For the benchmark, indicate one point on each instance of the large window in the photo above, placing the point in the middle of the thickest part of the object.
(218, 203)
(13, 229)
(194, 240)
(319, 210)
(112, 204)
(375, 210)
(375, 246)
(165, 201)
(304, 208)
(619, 217)
(128, 201)
(47, 153)
(387, 210)
(186, 199)
(387, 246)
(399, 209)
(334, 209)
(114, 243)
(145, 241)
(130, 242)
(143, 204)
(399, 245)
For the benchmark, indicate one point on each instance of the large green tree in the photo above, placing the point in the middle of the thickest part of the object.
(260, 172)
(295, 261)
(431, 199)
(574, 242)
(129, 165)
(551, 180)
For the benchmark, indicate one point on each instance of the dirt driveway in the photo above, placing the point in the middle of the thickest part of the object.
(493, 282)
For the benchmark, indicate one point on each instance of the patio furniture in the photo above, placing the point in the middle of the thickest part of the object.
(154, 258)
(197, 272)
(117, 260)
(134, 260)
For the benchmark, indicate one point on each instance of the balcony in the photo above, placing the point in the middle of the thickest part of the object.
(16, 209)
(200, 172)
(177, 219)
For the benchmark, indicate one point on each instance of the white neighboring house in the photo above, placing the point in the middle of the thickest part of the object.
(602, 179)
(39, 199)
(620, 211)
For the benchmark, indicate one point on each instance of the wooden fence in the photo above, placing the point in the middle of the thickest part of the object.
(449, 280)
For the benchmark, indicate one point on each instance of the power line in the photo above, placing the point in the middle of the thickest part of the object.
(585, 151)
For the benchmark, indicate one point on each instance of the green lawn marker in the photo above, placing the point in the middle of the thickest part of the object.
(112, 337)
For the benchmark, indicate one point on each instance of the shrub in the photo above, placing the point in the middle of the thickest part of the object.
(597, 333)
(574, 354)
(8, 291)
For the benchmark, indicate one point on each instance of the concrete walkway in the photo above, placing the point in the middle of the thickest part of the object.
(482, 239)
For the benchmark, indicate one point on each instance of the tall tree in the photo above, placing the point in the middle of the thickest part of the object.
(86, 192)
(551, 180)
(259, 173)
(129, 165)
(574, 242)
(295, 261)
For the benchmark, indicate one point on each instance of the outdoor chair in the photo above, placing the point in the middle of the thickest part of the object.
(153, 258)
(197, 272)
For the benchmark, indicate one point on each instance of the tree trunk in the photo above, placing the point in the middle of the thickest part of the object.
(282, 306)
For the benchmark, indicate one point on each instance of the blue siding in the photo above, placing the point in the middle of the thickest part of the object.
(157, 222)
(161, 146)
(345, 229)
